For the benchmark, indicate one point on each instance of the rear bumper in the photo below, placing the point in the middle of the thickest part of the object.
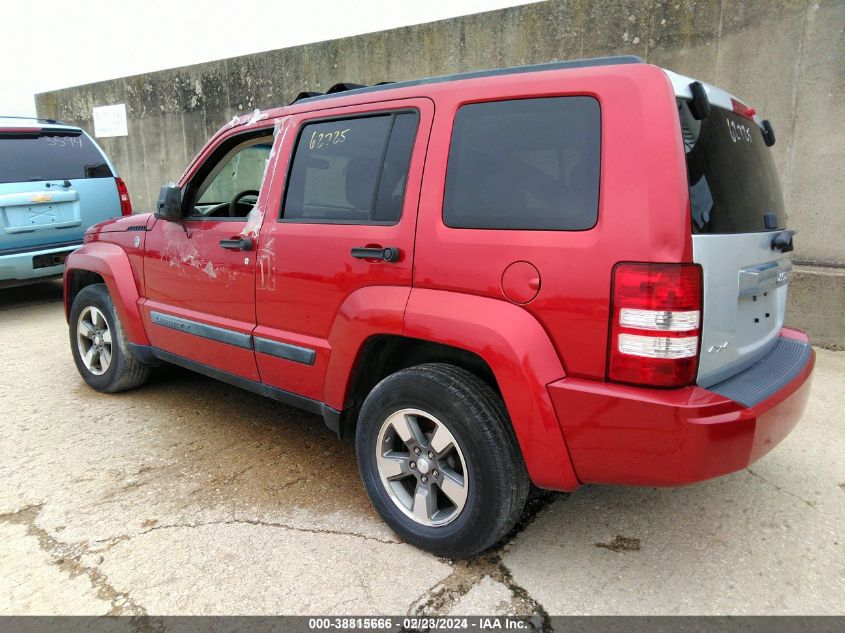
(617, 434)
(18, 266)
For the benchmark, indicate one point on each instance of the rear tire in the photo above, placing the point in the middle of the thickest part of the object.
(439, 460)
(98, 343)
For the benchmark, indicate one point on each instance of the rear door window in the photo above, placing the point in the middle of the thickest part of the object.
(351, 170)
(50, 156)
(734, 186)
(528, 164)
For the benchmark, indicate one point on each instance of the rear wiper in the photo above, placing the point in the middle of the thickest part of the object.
(97, 170)
(782, 241)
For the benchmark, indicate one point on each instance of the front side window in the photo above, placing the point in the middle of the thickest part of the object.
(230, 188)
(528, 164)
(351, 170)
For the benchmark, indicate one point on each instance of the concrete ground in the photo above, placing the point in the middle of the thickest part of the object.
(188, 496)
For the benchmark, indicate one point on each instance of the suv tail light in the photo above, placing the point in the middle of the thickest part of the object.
(123, 192)
(656, 316)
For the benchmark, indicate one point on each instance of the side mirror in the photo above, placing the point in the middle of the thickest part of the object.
(169, 205)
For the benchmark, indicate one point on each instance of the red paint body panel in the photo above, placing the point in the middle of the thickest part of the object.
(523, 360)
(308, 276)
(365, 313)
(642, 197)
(619, 434)
(111, 261)
(235, 360)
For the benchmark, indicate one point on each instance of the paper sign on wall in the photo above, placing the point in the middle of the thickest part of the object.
(110, 120)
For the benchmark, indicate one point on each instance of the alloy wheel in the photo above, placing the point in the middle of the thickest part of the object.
(94, 340)
(422, 467)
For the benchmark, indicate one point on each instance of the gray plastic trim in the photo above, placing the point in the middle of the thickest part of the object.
(332, 417)
(769, 375)
(210, 332)
(285, 350)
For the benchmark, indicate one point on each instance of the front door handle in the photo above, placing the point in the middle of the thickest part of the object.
(238, 244)
(389, 253)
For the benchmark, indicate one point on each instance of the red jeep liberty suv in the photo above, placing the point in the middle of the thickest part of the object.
(558, 274)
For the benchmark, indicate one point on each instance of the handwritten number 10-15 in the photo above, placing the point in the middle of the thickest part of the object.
(323, 139)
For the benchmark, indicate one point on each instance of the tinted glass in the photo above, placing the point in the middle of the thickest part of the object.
(394, 172)
(732, 177)
(50, 158)
(353, 170)
(527, 164)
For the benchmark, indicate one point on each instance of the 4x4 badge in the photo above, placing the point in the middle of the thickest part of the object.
(715, 349)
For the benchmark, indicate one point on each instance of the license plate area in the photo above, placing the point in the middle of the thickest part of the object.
(762, 300)
(37, 211)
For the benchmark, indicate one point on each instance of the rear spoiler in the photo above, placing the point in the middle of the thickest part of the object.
(700, 109)
(35, 132)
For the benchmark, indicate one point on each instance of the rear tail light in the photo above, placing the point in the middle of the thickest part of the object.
(125, 202)
(656, 320)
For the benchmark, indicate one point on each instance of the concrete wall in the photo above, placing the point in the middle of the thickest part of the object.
(785, 57)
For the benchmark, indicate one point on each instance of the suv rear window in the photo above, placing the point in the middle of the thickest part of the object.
(525, 164)
(732, 177)
(51, 156)
(351, 170)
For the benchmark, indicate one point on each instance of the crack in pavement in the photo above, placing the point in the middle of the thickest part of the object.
(114, 540)
(68, 557)
(466, 574)
(809, 504)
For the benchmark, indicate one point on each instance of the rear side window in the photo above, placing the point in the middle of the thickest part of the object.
(53, 156)
(733, 181)
(351, 170)
(528, 164)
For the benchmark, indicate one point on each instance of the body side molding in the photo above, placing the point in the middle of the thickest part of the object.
(211, 332)
(295, 353)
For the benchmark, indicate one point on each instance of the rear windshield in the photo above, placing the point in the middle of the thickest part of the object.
(733, 182)
(50, 157)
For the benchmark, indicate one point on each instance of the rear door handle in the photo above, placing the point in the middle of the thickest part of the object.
(388, 253)
(237, 244)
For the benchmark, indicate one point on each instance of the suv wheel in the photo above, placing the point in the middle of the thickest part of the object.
(439, 459)
(99, 346)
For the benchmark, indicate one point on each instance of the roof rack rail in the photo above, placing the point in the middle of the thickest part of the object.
(493, 72)
(306, 94)
(32, 118)
(343, 87)
(338, 87)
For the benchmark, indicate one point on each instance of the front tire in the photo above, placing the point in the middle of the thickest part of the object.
(439, 460)
(98, 343)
